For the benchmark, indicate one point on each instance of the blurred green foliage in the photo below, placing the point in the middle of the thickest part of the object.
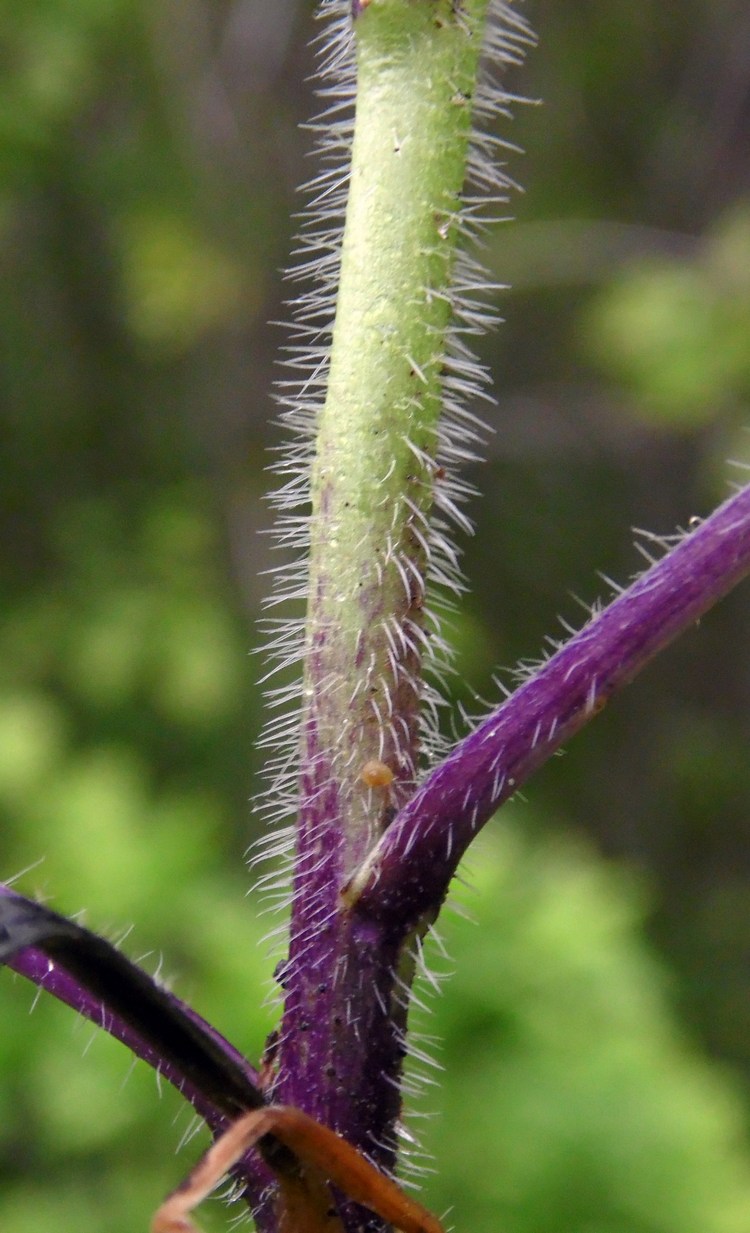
(675, 333)
(149, 158)
(572, 1101)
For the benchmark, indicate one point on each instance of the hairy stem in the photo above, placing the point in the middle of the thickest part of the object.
(373, 474)
(372, 480)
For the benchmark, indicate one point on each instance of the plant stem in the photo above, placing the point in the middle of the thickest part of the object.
(377, 436)
(372, 481)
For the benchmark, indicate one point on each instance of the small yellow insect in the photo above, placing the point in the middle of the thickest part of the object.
(376, 774)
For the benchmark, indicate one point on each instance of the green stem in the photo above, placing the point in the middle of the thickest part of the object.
(374, 472)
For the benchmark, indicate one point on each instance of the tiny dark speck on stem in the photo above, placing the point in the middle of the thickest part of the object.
(281, 973)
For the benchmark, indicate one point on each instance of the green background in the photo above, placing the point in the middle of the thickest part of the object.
(595, 1038)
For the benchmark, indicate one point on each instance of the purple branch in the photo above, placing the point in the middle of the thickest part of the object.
(407, 875)
(94, 978)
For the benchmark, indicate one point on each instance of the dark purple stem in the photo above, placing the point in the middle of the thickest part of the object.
(342, 1038)
(407, 875)
(90, 975)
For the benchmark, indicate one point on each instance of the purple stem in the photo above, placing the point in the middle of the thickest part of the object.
(216, 1079)
(341, 1043)
(407, 875)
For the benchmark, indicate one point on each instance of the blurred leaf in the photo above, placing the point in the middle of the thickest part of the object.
(677, 334)
(33, 740)
(178, 285)
(571, 1099)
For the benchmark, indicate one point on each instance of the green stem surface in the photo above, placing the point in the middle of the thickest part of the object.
(374, 472)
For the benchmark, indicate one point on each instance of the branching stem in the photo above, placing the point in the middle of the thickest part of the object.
(409, 872)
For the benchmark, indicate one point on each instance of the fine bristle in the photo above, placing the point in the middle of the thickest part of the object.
(314, 275)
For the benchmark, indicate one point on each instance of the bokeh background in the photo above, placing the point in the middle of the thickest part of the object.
(596, 1036)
